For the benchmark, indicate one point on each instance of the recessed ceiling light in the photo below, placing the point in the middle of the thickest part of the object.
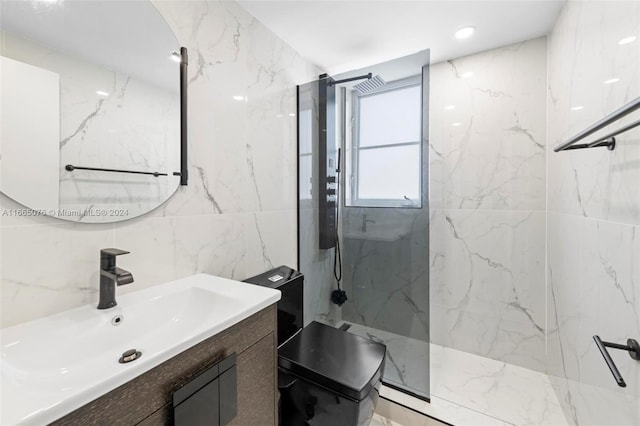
(627, 40)
(611, 81)
(238, 98)
(456, 124)
(175, 56)
(449, 107)
(467, 74)
(465, 32)
(101, 93)
(577, 108)
(291, 114)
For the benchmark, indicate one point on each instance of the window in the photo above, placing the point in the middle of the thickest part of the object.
(386, 150)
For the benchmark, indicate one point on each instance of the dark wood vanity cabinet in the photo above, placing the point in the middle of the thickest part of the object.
(147, 399)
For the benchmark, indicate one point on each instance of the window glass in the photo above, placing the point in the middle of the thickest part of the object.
(386, 154)
(390, 173)
(390, 117)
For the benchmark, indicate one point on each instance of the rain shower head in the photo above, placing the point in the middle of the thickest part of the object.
(369, 85)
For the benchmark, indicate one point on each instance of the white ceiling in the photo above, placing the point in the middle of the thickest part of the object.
(341, 35)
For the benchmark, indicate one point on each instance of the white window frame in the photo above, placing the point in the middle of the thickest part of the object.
(355, 200)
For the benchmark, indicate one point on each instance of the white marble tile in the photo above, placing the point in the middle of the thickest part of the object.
(504, 391)
(487, 131)
(593, 276)
(271, 157)
(273, 71)
(593, 212)
(438, 408)
(45, 269)
(163, 249)
(583, 53)
(464, 388)
(591, 405)
(487, 284)
(204, 226)
(563, 293)
(271, 240)
(212, 31)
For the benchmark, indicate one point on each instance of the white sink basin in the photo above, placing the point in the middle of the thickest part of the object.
(54, 365)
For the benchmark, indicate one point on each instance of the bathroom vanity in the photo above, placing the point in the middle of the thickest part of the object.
(65, 369)
(147, 399)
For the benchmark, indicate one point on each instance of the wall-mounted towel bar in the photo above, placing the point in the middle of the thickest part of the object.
(608, 140)
(632, 347)
(71, 168)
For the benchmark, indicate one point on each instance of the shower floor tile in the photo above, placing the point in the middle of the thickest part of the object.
(466, 389)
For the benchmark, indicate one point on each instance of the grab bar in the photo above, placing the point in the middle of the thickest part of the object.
(70, 168)
(614, 116)
(632, 347)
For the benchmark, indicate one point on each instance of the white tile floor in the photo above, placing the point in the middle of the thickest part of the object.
(467, 389)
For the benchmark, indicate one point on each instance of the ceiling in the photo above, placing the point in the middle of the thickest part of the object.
(341, 35)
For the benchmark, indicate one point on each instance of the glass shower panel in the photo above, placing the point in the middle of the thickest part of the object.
(385, 249)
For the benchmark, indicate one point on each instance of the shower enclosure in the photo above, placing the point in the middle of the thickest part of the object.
(363, 209)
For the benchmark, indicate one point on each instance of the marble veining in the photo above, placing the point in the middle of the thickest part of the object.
(216, 224)
(488, 130)
(465, 388)
(593, 279)
(487, 296)
(487, 204)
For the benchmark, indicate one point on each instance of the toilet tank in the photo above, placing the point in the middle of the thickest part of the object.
(290, 307)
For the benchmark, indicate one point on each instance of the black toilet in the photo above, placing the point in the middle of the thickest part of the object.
(326, 376)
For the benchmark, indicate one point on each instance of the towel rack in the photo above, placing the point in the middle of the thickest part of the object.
(609, 140)
(632, 347)
(70, 168)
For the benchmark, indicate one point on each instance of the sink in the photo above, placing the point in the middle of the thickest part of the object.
(54, 365)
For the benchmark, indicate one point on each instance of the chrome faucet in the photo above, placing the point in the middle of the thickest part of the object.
(110, 276)
(363, 228)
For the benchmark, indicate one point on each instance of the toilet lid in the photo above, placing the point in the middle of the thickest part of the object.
(335, 359)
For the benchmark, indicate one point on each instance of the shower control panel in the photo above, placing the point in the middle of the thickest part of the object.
(328, 162)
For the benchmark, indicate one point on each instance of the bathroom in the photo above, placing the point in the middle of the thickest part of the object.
(516, 255)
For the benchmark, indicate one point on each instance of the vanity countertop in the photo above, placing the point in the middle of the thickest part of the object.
(54, 365)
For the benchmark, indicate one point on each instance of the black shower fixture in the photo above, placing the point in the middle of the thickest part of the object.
(346, 80)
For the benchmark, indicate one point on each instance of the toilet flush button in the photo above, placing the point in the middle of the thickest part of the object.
(275, 278)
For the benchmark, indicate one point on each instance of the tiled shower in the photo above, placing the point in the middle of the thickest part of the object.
(531, 252)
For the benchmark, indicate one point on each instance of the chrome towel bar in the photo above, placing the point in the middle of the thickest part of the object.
(608, 140)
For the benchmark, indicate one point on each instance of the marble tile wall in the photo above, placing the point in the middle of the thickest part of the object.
(593, 230)
(487, 185)
(236, 218)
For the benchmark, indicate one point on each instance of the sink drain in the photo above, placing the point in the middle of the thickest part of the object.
(129, 356)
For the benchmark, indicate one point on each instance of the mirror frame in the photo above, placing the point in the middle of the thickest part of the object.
(184, 62)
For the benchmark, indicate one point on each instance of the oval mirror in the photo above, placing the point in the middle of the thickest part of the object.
(90, 108)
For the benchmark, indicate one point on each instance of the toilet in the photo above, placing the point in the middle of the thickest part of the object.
(326, 376)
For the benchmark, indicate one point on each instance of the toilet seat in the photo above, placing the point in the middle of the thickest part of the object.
(334, 359)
